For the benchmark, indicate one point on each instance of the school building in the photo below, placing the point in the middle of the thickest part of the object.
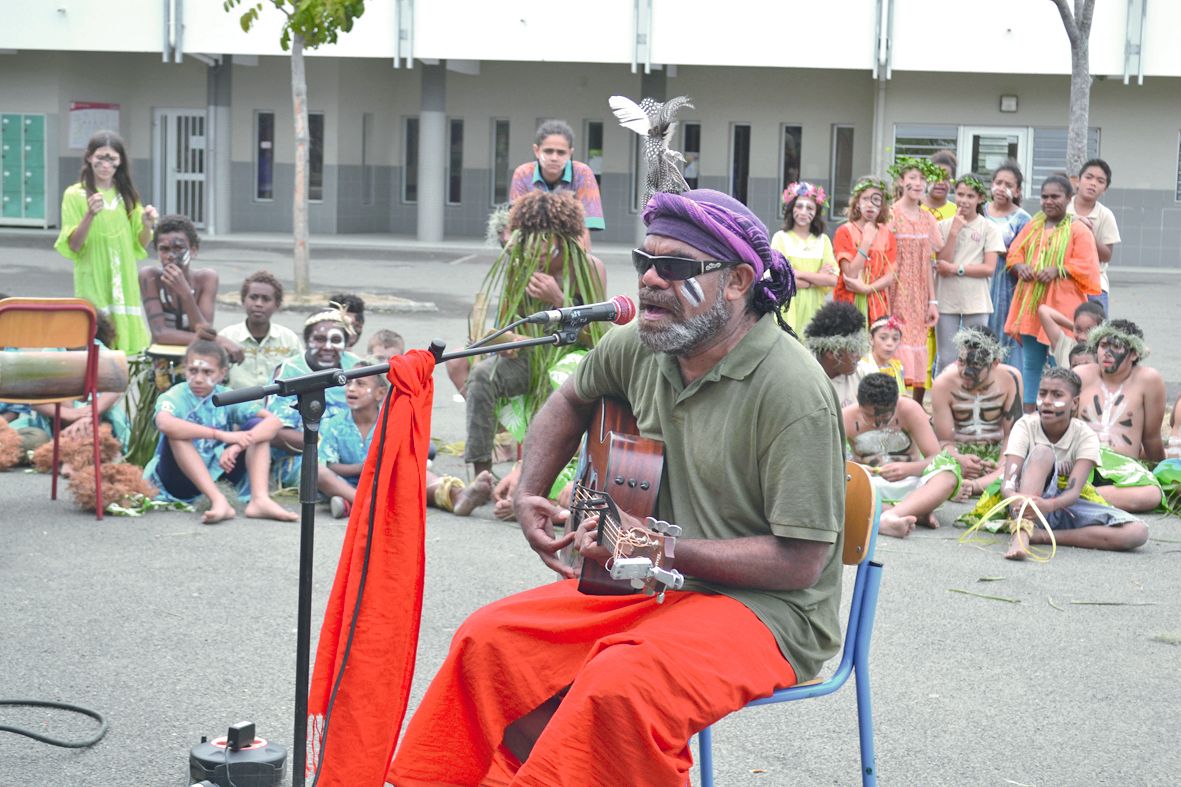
(420, 113)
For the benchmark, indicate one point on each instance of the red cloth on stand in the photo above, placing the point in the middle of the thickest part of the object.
(643, 677)
(371, 702)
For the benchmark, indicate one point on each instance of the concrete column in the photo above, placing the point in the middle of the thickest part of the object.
(652, 85)
(218, 152)
(432, 152)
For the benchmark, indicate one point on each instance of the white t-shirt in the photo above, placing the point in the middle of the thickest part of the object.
(967, 294)
(1079, 442)
(1104, 229)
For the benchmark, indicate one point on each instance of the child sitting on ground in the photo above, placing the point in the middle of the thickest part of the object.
(201, 443)
(1063, 333)
(385, 344)
(262, 344)
(345, 437)
(884, 335)
(1048, 459)
(1081, 354)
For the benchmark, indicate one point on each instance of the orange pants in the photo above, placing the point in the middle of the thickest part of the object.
(642, 678)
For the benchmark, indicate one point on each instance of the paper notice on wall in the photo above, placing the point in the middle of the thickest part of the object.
(89, 117)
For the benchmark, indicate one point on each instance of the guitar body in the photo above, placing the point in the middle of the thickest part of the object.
(617, 461)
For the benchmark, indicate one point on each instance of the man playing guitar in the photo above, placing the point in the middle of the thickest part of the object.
(553, 686)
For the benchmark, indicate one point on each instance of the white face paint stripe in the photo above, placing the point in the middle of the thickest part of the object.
(692, 291)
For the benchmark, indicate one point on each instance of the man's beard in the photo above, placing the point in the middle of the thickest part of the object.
(681, 335)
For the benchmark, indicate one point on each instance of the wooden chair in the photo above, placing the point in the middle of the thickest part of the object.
(57, 322)
(862, 514)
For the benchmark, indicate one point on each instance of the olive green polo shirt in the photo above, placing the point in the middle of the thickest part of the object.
(754, 447)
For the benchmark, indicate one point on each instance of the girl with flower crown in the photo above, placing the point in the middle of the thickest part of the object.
(866, 251)
(964, 267)
(803, 242)
(918, 240)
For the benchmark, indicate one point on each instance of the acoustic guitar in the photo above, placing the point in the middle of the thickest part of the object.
(617, 469)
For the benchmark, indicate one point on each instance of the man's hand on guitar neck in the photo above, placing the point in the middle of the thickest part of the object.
(537, 517)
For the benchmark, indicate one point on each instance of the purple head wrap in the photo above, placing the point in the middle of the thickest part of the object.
(724, 228)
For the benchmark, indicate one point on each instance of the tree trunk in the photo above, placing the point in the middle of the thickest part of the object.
(1080, 106)
(299, 203)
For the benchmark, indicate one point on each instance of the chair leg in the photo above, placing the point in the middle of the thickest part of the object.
(57, 428)
(705, 756)
(869, 771)
(98, 468)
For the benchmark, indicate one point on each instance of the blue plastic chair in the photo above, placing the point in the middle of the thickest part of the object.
(862, 514)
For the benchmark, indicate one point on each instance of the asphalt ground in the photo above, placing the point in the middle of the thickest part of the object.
(174, 630)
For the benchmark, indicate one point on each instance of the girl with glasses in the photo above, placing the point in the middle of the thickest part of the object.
(105, 232)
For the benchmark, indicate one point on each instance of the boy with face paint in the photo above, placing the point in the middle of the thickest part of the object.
(1048, 458)
(180, 300)
(325, 335)
(975, 402)
(837, 338)
(1123, 401)
(201, 443)
(893, 438)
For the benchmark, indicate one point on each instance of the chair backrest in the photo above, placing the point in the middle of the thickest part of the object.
(859, 513)
(47, 322)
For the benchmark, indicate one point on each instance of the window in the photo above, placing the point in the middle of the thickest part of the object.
(691, 148)
(739, 161)
(840, 173)
(367, 168)
(455, 161)
(792, 137)
(639, 170)
(410, 161)
(594, 148)
(316, 157)
(1049, 155)
(921, 141)
(500, 162)
(264, 155)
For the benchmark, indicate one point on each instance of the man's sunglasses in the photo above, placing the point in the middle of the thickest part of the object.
(676, 268)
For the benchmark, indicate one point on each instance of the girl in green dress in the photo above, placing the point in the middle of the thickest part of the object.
(105, 231)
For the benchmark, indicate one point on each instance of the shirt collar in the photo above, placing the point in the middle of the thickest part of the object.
(567, 173)
(738, 364)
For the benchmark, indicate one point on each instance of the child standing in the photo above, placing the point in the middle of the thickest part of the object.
(1048, 459)
(1093, 181)
(201, 443)
(865, 251)
(1006, 212)
(918, 240)
(263, 344)
(964, 267)
(803, 242)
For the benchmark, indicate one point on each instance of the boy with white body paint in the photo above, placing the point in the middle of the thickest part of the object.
(1048, 459)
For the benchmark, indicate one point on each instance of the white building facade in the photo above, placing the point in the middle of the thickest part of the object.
(420, 113)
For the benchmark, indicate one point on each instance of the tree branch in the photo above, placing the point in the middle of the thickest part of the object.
(1068, 21)
(1083, 17)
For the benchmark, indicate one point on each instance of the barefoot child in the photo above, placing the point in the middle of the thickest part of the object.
(866, 252)
(1049, 456)
(201, 443)
(345, 437)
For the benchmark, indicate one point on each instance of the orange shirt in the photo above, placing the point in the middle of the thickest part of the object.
(883, 253)
(1082, 279)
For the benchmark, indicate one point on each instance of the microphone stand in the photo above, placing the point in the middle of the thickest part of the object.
(309, 390)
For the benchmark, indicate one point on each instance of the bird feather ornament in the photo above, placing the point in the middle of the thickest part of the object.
(655, 122)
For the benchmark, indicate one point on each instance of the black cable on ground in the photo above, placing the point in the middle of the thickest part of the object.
(98, 736)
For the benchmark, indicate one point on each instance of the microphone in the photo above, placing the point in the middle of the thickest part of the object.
(620, 310)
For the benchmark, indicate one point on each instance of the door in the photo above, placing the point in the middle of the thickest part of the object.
(179, 163)
(983, 148)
